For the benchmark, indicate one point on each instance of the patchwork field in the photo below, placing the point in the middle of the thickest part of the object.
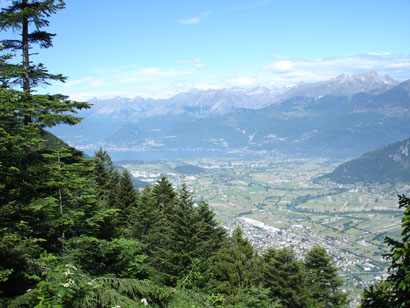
(350, 221)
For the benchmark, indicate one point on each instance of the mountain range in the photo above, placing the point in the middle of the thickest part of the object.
(342, 117)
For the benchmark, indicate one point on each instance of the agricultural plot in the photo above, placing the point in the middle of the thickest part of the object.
(350, 221)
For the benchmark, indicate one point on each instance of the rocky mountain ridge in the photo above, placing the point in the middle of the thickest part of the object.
(221, 101)
(294, 121)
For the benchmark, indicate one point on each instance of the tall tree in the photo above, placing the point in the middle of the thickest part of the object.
(323, 282)
(160, 241)
(26, 200)
(234, 270)
(165, 194)
(126, 200)
(210, 235)
(29, 17)
(106, 180)
(284, 276)
(143, 216)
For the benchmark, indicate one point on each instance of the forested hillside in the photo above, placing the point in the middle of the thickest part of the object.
(389, 164)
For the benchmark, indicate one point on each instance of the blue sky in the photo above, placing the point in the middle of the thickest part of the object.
(157, 48)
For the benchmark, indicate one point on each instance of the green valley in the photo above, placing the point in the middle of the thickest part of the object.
(259, 193)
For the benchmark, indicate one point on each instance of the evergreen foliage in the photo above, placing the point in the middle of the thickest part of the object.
(22, 15)
(284, 277)
(323, 282)
(234, 273)
(75, 233)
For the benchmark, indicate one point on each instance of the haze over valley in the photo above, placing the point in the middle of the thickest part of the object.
(343, 117)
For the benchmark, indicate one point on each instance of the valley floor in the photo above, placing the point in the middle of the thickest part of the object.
(278, 203)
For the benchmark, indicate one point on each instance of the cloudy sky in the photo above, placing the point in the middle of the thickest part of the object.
(157, 48)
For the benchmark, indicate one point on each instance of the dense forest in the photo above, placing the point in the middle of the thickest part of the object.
(74, 232)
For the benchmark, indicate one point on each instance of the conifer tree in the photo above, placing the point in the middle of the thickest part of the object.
(165, 194)
(160, 244)
(323, 282)
(283, 275)
(106, 181)
(26, 204)
(183, 230)
(143, 216)
(105, 178)
(29, 17)
(210, 234)
(23, 15)
(126, 199)
(234, 269)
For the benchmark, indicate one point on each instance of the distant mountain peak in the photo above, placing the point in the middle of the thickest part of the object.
(344, 85)
(201, 102)
(372, 76)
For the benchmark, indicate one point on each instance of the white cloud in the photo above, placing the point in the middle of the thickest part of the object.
(189, 21)
(194, 20)
(207, 86)
(98, 83)
(86, 81)
(242, 81)
(163, 82)
(280, 66)
(148, 74)
(395, 65)
(194, 60)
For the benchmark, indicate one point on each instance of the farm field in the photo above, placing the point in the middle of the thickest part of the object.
(278, 202)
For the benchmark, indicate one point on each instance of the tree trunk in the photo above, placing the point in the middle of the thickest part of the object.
(26, 59)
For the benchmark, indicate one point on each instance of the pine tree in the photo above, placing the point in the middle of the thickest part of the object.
(69, 196)
(27, 204)
(184, 235)
(22, 15)
(210, 234)
(323, 282)
(126, 199)
(160, 245)
(284, 276)
(143, 216)
(106, 182)
(234, 269)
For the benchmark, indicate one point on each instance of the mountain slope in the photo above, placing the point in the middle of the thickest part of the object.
(259, 120)
(389, 164)
(203, 103)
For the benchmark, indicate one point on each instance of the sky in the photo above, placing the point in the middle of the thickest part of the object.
(158, 48)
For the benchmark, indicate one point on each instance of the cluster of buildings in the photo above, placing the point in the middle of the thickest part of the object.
(301, 239)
